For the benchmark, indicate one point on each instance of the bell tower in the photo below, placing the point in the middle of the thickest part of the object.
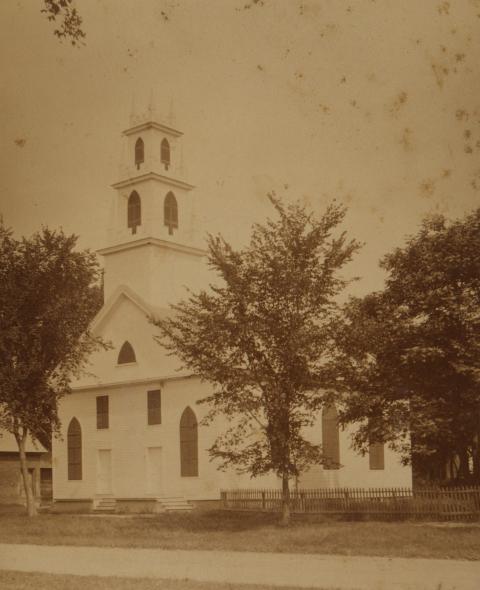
(152, 246)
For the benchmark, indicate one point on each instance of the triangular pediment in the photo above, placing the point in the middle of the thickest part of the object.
(125, 317)
(121, 294)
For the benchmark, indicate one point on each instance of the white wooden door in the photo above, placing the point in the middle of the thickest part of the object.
(104, 471)
(154, 470)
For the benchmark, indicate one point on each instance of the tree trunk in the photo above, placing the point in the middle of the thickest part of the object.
(476, 460)
(285, 521)
(464, 471)
(476, 451)
(31, 508)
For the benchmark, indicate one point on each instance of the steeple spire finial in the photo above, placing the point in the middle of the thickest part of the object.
(152, 110)
(181, 167)
(171, 114)
(132, 110)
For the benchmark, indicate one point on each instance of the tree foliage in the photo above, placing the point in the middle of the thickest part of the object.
(49, 293)
(64, 14)
(411, 353)
(264, 335)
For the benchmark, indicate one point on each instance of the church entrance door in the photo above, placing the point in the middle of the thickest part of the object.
(154, 470)
(104, 471)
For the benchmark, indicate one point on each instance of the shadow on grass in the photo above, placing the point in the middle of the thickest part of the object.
(202, 521)
(12, 510)
(215, 520)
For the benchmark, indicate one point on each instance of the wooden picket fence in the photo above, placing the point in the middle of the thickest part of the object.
(462, 503)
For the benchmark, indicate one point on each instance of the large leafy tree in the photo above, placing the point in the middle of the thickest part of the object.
(263, 336)
(49, 292)
(66, 18)
(411, 353)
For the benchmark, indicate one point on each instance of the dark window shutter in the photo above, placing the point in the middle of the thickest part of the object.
(154, 407)
(126, 354)
(330, 438)
(376, 455)
(102, 411)
(74, 450)
(188, 444)
(45, 475)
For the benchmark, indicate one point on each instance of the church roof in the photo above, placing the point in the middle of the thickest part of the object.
(8, 444)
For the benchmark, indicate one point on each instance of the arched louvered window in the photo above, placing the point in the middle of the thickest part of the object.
(188, 444)
(126, 354)
(134, 216)
(139, 152)
(74, 450)
(170, 212)
(330, 438)
(165, 153)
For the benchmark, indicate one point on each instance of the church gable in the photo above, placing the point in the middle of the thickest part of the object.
(135, 355)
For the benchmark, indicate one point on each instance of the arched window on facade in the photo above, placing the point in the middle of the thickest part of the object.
(139, 152)
(134, 215)
(330, 438)
(126, 354)
(170, 212)
(74, 449)
(188, 444)
(165, 153)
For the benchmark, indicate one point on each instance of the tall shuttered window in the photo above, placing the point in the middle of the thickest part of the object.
(154, 407)
(376, 455)
(330, 438)
(188, 444)
(74, 450)
(102, 411)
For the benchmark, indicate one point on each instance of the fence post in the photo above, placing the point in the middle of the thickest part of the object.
(263, 500)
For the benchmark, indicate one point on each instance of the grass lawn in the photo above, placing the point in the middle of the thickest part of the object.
(33, 581)
(244, 532)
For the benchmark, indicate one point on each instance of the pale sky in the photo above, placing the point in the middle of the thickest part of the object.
(375, 103)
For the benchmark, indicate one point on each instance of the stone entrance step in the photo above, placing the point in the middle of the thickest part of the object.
(174, 504)
(104, 505)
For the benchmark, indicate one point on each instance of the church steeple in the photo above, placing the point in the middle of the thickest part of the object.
(152, 199)
(153, 209)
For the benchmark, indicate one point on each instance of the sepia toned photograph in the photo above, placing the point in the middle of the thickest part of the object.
(240, 295)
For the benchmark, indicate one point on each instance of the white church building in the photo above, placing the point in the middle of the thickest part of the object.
(131, 433)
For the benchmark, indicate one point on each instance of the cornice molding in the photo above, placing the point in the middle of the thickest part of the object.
(155, 242)
(153, 125)
(153, 176)
(114, 384)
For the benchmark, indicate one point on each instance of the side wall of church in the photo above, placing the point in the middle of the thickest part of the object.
(131, 443)
(354, 468)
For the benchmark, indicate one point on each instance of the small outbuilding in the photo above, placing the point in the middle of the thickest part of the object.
(39, 465)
